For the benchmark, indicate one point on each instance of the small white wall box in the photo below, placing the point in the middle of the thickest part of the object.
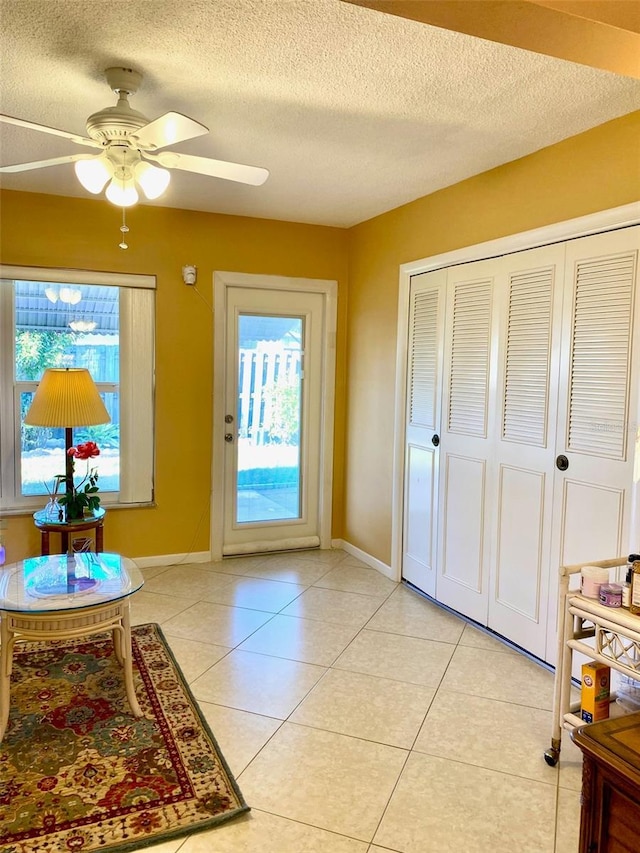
(189, 274)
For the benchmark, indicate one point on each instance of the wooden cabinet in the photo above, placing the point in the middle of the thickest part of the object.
(610, 819)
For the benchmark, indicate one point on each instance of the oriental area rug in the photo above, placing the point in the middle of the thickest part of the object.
(79, 773)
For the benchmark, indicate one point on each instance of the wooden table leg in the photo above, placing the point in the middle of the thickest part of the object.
(44, 543)
(64, 539)
(99, 538)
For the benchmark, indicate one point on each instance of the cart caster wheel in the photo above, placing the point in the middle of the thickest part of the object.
(551, 756)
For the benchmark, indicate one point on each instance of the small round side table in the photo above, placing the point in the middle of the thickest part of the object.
(66, 528)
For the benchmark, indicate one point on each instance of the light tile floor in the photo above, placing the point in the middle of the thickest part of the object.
(358, 717)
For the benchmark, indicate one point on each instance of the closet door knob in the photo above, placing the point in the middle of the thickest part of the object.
(435, 440)
(562, 463)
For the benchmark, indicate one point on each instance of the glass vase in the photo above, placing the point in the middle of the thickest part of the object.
(53, 510)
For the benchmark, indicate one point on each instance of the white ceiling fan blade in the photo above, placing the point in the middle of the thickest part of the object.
(41, 164)
(169, 129)
(254, 175)
(30, 125)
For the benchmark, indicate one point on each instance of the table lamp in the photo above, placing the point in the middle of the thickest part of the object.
(67, 397)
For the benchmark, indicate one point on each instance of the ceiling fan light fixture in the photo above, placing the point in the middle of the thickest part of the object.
(124, 137)
(122, 192)
(93, 174)
(152, 179)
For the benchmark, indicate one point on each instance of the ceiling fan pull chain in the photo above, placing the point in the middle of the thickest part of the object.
(124, 228)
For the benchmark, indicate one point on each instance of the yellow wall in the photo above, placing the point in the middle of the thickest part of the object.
(594, 171)
(43, 230)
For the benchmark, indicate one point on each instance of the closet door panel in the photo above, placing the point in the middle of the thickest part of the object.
(463, 565)
(519, 560)
(463, 543)
(598, 416)
(419, 537)
(592, 519)
(421, 465)
(595, 429)
(529, 303)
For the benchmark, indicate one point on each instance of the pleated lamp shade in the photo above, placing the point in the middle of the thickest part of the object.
(66, 397)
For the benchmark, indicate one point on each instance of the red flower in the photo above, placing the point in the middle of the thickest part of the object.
(85, 451)
(82, 496)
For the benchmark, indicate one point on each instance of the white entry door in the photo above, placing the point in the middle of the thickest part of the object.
(422, 418)
(272, 435)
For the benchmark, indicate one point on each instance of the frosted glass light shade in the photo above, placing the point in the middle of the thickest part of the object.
(66, 397)
(93, 174)
(122, 193)
(153, 180)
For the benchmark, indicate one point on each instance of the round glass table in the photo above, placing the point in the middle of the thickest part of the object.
(64, 596)
(47, 525)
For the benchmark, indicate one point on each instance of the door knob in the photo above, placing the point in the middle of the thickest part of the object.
(228, 437)
(228, 419)
(435, 440)
(562, 463)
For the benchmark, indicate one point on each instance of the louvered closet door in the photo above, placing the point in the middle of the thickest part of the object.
(426, 320)
(529, 303)
(466, 476)
(598, 415)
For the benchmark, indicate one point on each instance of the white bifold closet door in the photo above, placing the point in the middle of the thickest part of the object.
(529, 303)
(595, 498)
(466, 472)
(426, 324)
(537, 430)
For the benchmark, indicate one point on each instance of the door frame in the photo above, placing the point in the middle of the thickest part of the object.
(583, 226)
(223, 280)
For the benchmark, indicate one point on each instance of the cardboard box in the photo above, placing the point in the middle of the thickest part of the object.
(596, 685)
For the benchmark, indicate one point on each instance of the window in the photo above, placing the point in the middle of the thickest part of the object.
(69, 318)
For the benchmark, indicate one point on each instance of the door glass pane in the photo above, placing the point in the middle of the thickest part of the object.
(59, 325)
(268, 417)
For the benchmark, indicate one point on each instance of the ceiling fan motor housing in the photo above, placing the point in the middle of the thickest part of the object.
(119, 122)
(115, 123)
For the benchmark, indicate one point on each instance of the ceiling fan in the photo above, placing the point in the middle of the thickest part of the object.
(131, 148)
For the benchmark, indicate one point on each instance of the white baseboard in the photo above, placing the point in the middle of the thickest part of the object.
(172, 559)
(205, 557)
(383, 568)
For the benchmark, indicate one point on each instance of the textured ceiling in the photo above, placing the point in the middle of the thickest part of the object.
(354, 112)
